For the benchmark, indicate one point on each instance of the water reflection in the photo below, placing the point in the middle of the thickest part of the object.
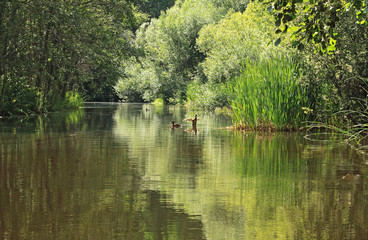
(118, 171)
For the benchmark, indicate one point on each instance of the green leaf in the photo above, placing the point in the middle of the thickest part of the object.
(317, 37)
(332, 41)
(306, 8)
(278, 41)
(278, 22)
(331, 49)
(295, 43)
(323, 44)
(293, 29)
(301, 47)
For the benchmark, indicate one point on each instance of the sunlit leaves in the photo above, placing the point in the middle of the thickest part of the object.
(240, 36)
(316, 19)
(168, 46)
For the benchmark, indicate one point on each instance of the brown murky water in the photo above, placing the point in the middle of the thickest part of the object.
(117, 171)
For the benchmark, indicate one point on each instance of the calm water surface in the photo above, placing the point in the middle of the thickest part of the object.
(117, 171)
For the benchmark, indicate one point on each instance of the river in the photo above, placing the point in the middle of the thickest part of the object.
(118, 171)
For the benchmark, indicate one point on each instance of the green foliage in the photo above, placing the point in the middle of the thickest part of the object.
(315, 20)
(345, 130)
(230, 45)
(268, 95)
(154, 7)
(57, 46)
(206, 96)
(139, 84)
(19, 98)
(105, 72)
(167, 58)
(72, 100)
(238, 37)
(340, 79)
(159, 101)
(236, 5)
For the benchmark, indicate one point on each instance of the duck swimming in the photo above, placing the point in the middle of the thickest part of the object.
(175, 125)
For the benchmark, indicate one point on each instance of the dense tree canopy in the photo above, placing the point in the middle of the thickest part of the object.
(168, 58)
(50, 48)
(236, 38)
(154, 7)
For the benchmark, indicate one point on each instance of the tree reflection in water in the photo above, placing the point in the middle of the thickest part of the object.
(120, 172)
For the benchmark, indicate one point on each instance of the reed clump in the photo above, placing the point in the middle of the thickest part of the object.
(352, 130)
(268, 96)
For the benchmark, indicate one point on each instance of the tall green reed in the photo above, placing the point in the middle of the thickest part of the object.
(267, 95)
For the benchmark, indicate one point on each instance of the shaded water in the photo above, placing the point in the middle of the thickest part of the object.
(116, 171)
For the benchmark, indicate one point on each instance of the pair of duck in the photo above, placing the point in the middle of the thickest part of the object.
(193, 120)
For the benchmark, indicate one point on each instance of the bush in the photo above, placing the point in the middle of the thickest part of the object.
(236, 38)
(19, 98)
(206, 96)
(72, 100)
(140, 83)
(159, 101)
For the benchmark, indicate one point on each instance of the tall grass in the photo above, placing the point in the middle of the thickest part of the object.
(267, 95)
(352, 128)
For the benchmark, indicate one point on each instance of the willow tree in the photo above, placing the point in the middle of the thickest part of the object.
(168, 58)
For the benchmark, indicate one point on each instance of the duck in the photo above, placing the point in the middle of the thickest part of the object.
(194, 121)
(175, 125)
(147, 110)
